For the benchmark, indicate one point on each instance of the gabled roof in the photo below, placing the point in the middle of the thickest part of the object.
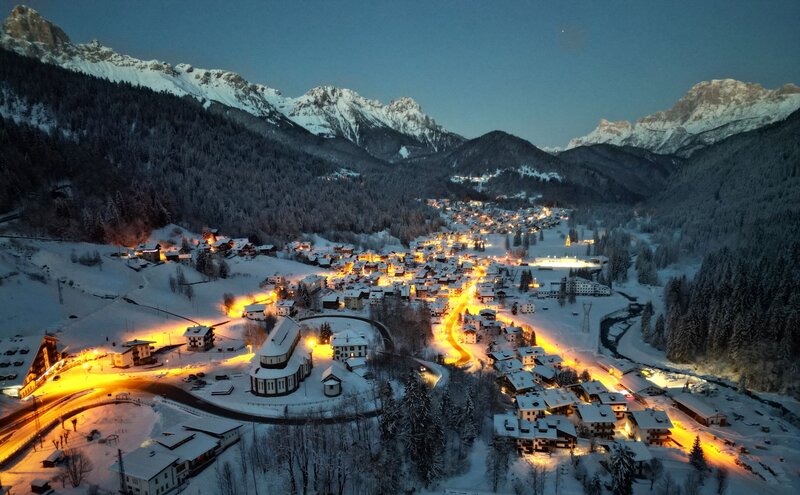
(651, 419)
(145, 463)
(212, 425)
(197, 331)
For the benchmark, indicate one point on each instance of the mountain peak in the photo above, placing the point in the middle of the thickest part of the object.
(709, 112)
(404, 104)
(26, 24)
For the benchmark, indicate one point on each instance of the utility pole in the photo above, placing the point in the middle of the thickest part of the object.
(123, 486)
(36, 421)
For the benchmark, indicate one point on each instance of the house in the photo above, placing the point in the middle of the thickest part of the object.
(513, 334)
(149, 471)
(138, 353)
(486, 295)
(649, 426)
(501, 355)
(558, 400)
(616, 401)
(469, 335)
(541, 435)
(330, 301)
(285, 307)
(530, 407)
(255, 312)
(348, 345)
(225, 430)
(590, 391)
(639, 386)
(699, 410)
(488, 314)
(199, 338)
(280, 365)
(527, 307)
(24, 360)
(616, 367)
(528, 355)
(599, 419)
(544, 374)
(194, 451)
(353, 300)
(314, 283)
(150, 252)
(507, 366)
(553, 360)
(521, 382)
(331, 379)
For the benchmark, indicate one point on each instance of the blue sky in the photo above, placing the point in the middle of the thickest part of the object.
(545, 71)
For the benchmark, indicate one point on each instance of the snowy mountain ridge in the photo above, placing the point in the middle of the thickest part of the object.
(709, 112)
(326, 110)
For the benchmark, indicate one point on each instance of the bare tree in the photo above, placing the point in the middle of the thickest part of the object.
(76, 466)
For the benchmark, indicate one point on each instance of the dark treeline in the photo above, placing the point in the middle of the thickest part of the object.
(199, 168)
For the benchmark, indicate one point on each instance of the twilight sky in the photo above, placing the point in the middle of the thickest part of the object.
(545, 71)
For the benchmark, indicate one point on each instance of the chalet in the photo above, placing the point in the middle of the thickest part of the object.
(285, 307)
(314, 283)
(330, 301)
(598, 419)
(24, 360)
(488, 314)
(513, 334)
(639, 386)
(529, 354)
(486, 295)
(527, 307)
(542, 435)
(521, 382)
(193, 450)
(243, 247)
(255, 312)
(222, 245)
(558, 400)
(199, 338)
(617, 402)
(699, 410)
(353, 300)
(149, 471)
(545, 375)
(267, 249)
(224, 430)
(138, 353)
(530, 407)
(348, 345)
(616, 367)
(376, 295)
(502, 355)
(553, 360)
(468, 334)
(649, 426)
(276, 280)
(590, 391)
(507, 366)
(150, 252)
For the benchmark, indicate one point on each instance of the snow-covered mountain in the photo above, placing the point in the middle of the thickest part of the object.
(709, 112)
(394, 131)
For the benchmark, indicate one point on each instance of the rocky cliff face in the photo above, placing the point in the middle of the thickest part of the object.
(709, 112)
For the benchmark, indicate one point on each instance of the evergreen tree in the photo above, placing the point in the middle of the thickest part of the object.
(696, 456)
(622, 470)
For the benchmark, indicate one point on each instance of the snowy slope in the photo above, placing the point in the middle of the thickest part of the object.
(709, 112)
(326, 111)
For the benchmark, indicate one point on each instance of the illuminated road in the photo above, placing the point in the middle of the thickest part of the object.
(451, 321)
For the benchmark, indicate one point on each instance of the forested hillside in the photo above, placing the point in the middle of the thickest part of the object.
(738, 202)
(106, 139)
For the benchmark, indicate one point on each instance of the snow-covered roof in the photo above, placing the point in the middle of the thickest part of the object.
(611, 398)
(347, 338)
(593, 387)
(636, 383)
(596, 413)
(18, 349)
(651, 419)
(145, 463)
(696, 405)
(199, 444)
(212, 425)
(546, 372)
(521, 380)
(251, 308)
(281, 338)
(197, 331)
